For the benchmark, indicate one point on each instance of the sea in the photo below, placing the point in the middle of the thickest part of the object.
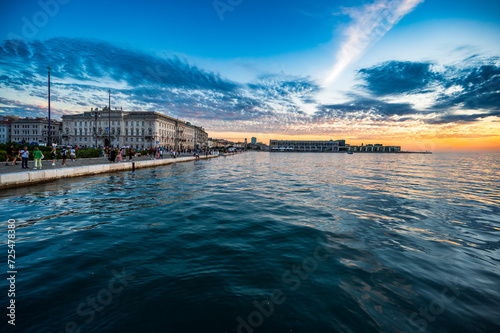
(260, 242)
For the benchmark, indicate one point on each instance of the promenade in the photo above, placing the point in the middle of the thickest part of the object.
(15, 176)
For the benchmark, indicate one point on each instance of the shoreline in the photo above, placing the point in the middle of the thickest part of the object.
(19, 179)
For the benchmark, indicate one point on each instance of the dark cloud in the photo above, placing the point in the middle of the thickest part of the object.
(84, 59)
(81, 70)
(461, 118)
(397, 77)
(365, 106)
(472, 85)
(477, 87)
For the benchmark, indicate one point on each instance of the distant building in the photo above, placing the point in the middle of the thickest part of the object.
(5, 126)
(35, 130)
(375, 148)
(200, 137)
(136, 129)
(328, 146)
(254, 140)
(304, 146)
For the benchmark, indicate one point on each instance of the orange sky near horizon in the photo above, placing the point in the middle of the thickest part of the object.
(483, 136)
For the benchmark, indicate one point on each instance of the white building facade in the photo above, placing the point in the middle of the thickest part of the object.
(5, 131)
(138, 129)
(35, 130)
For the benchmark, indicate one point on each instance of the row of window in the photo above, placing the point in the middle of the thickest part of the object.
(127, 123)
(32, 126)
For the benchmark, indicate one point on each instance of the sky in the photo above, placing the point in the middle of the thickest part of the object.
(422, 74)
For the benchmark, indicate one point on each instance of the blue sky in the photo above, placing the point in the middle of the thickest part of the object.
(375, 69)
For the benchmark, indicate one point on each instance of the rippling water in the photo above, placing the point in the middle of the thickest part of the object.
(263, 242)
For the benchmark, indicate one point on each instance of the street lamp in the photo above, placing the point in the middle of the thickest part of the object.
(49, 139)
(95, 114)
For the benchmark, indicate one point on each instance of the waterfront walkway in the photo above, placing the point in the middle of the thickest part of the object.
(14, 176)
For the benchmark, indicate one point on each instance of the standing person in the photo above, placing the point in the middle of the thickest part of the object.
(73, 154)
(10, 154)
(112, 155)
(161, 153)
(24, 155)
(53, 155)
(130, 153)
(64, 154)
(119, 159)
(37, 155)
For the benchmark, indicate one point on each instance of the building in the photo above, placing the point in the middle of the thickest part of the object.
(329, 146)
(304, 146)
(118, 128)
(253, 141)
(375, 148)
(200, 137)
(35, 130)
(5, 126)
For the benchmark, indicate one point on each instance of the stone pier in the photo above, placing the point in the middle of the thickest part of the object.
(24, 178)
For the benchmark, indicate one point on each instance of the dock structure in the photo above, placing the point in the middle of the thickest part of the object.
(333, 146)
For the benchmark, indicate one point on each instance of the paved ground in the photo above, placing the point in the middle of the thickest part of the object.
(47, 164)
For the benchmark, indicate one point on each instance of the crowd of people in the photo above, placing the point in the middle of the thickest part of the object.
(114, 155)
(117, 155)
(23, 155)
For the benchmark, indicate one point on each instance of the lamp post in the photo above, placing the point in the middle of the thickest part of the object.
(109, 120)
(49, 139)
(96, 114)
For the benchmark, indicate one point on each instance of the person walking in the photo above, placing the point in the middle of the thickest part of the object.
(130, 153)
(25, 154)
(10, 154)
(37, 155)
(16, 156)
(73, 154)
(53, 155)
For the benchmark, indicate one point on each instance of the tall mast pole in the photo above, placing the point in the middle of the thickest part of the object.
(49, 139)
(109, 123)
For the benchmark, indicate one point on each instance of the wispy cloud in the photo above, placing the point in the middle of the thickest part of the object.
(369, 23)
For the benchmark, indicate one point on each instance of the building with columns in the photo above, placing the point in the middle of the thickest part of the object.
(138, 129)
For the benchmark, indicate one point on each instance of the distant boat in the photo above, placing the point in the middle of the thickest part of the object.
(350, 152)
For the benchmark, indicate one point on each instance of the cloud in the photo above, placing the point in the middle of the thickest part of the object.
(462, 93)
(366, 107)
(83, 70)
(398, 77)
(82, 59)
(477, 86)
(369, 23)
